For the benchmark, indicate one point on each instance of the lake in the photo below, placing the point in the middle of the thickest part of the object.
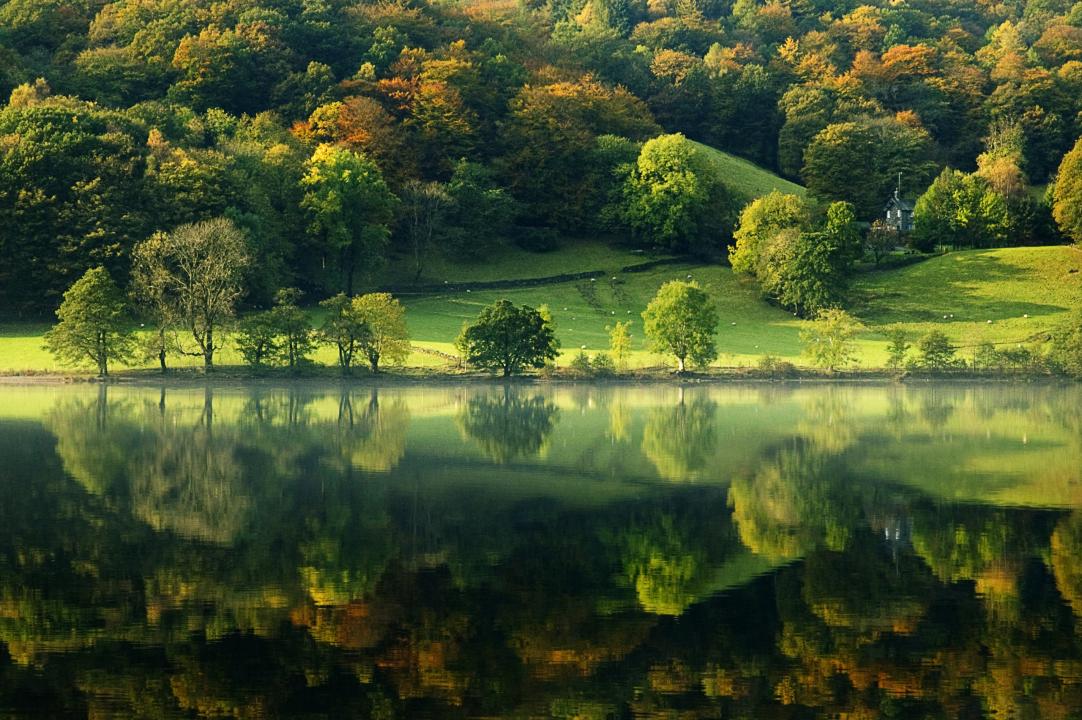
(760, 551)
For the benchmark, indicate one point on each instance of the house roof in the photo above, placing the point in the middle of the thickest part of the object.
(897, 202)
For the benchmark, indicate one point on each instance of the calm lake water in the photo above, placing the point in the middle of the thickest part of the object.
(567, 552)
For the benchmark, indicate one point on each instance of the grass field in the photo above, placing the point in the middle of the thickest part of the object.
(957, 293)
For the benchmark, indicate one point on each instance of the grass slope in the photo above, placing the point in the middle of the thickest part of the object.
(960, 292)
(747, 179)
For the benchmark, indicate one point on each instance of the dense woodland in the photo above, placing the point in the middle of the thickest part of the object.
(344, 135)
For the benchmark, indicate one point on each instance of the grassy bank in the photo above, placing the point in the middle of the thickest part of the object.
(957, 293)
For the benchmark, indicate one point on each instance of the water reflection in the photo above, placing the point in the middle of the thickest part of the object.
(533, 552)
(508, 425)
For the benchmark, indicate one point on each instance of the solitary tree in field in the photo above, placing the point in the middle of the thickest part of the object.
(387, 337)
(93, 323)
(828, 340)
(681, 320)
(508, 338)
(197, 270)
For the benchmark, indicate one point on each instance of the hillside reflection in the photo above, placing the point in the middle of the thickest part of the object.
(541, 552)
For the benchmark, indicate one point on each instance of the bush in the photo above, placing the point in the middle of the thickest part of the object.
(580, 364)
(773, 367)
(603, 365)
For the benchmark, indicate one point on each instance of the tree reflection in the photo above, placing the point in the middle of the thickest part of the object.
(508, 426)
(680, 440)
(795, 501)
(372, 435)
(270, 553)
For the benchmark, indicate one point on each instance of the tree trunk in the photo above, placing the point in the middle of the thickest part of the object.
(374, 361)
(680, 365)
(208, 351)
(161, 349)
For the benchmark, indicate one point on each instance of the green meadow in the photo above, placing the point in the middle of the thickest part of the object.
(1024, 292)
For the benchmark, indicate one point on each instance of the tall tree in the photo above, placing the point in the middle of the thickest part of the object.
(1067, 194)
(675, 198)
(199, 268)
(681, 320)
(351, 209)
(961, 210)
(860, 162)
(94, 324)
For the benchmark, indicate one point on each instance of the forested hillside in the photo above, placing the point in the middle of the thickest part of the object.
(343, 135)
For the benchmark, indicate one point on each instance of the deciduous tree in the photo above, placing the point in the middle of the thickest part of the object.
(351, 209)
(681, 320)
(94, 324)
(508, 338)
(199, 268)
(387, 337)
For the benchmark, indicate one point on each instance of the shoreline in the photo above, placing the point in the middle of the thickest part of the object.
(663, 377)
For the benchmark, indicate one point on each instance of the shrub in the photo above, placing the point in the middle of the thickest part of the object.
(580, 364)
(773, 367)
(603, 365)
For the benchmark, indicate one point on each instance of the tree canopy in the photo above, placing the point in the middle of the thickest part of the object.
(508, 338)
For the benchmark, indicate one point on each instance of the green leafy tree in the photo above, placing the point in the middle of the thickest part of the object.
(859, 162)
(479, 212)
(72, 197)
(293, 326)
(681, 320)
(198, 270)
(674, 197)
(94, 325)
(257, 338)
(1067, 194)
(809, 271)
(829, 339)
(897, 348)
(760, 221)
(386, 338)
(344, 327)
(351, 209)
(960, 210)
(508, 338)
(620, 343)
(935, 351)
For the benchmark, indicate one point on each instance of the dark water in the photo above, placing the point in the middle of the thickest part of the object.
(446, 552)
